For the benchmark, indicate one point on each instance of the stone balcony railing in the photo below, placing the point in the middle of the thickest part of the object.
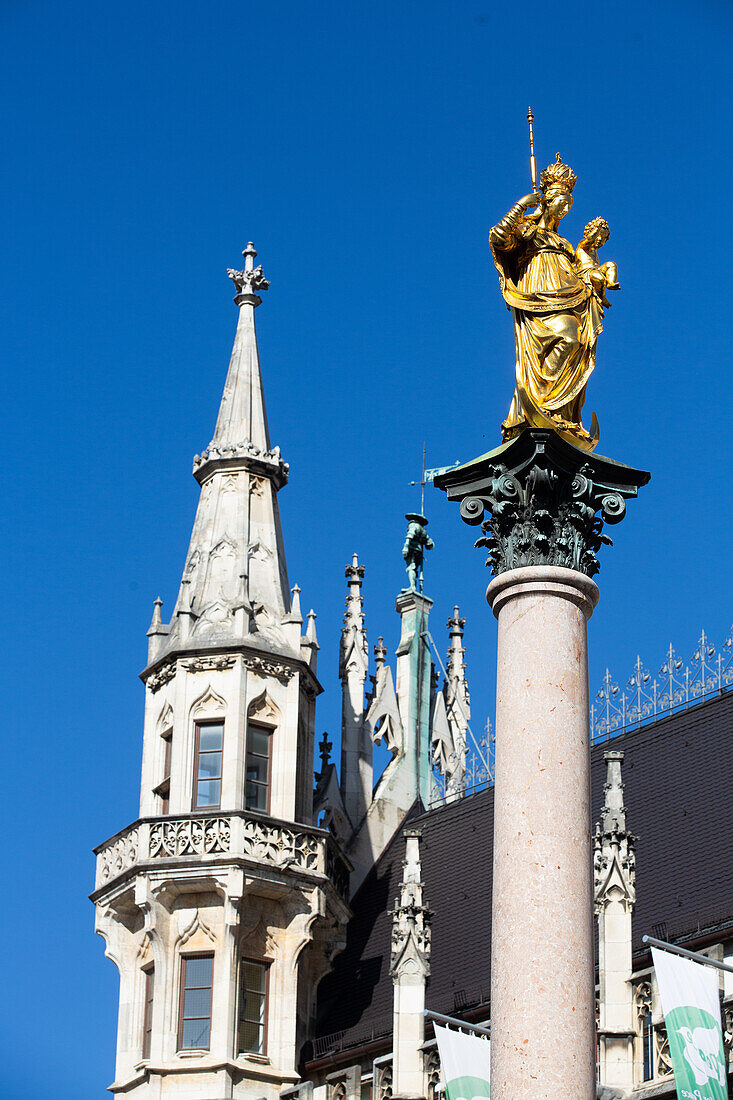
(237, 834)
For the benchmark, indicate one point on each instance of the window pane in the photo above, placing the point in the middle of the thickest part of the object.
(250, 1038)
(210, 738)
(254, 976)
(254, 1008)
(256, 796)
(209, 765)
(259, 741)
(195, 1035)
(256, 769)
(208, 792)
(198, 972)
(196, 1002)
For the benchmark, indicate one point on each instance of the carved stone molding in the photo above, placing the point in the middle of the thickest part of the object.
(216, 663)
(545, 501)
(162, 676)
(265, 666)
(268, 462)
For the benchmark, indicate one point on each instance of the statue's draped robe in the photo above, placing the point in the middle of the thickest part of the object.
(557, 321)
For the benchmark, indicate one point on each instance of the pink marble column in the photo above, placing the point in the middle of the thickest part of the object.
(542, 970)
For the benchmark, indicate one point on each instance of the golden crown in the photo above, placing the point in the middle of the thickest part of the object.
(557, 175)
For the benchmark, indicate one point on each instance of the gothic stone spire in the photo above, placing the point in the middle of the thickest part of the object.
(235, 578)
(356, 744)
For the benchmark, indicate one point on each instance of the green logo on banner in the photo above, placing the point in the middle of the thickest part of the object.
(696, 1046)
(467, 1088)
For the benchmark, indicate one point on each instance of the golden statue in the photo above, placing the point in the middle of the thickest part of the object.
(557, 295)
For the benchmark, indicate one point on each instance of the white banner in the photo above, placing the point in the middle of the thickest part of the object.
(691, 1006)
(464, 1062)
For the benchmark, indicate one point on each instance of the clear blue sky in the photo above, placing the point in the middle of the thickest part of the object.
(366, 149)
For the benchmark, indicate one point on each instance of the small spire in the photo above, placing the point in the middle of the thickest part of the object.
(324, 751)
(458, 700)
(295, 604)
(456, 623)
(353, 634)
(310, 634)
(156, 623)
(157, 632)
(380, 654)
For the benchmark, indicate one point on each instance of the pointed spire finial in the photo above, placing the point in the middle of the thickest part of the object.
(295, 604)
(380, 653)
(156, 621)
(249, 253)
(249, 281)
(353, 633)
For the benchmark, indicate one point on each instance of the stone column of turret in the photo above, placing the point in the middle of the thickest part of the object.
(541, 497)
(224, 887)
(614, 879)
(410, 970)
(356, 744)
(457, 705)
(413, 686)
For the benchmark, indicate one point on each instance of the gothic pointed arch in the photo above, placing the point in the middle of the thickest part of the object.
(208, 705)
(264, 711)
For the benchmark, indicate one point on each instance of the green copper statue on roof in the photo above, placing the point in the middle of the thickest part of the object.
(417, 541)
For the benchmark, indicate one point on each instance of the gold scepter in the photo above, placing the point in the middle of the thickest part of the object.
(532, 161)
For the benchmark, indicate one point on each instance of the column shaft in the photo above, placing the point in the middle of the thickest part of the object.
(542, 969)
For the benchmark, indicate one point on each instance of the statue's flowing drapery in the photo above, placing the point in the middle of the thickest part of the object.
(557, 321)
